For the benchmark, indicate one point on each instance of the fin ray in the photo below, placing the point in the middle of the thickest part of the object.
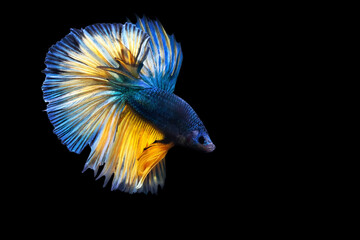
(133, 51)
(86, 73)
(120, 148)
(162, 66)
(150, 158)
(75, 85)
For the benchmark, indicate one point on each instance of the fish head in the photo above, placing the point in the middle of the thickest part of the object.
(200, 140)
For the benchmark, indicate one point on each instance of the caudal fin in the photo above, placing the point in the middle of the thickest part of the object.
(86, 75)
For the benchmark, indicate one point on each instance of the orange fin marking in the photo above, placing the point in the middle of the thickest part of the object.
(119, 147)
(150, 157)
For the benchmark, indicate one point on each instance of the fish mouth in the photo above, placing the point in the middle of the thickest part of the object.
(209, 147)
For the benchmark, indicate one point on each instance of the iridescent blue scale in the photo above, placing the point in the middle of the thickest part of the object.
(168, 112)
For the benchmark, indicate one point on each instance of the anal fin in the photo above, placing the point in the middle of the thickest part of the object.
(131, 150)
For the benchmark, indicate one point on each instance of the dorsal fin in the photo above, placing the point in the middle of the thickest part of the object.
(162, 66)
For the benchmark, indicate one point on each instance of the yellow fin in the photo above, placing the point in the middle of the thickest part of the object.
(150, 157)
(120, 146)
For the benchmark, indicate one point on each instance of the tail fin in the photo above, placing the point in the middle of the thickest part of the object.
(86, 73)
(80, 93)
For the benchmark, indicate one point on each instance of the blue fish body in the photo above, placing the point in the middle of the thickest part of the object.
(168, 112)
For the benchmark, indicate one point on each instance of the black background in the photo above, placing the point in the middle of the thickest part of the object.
(228, 58)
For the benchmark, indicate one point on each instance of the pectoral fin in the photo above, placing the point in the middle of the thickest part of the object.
(150, 157)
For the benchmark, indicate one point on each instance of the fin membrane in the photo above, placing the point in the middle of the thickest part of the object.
(86, 73)
(150, 157)
(82, 96)
(133, 51)
(162, 66)
(120, 149)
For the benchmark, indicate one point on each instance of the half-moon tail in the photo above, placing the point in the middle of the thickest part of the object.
(87, 74)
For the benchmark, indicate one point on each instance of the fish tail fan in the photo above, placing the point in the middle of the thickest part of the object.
(88, 76)
(84, 82)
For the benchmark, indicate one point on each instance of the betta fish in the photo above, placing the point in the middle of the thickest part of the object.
(110, 86)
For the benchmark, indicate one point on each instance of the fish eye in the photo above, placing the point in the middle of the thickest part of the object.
(201, 140)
